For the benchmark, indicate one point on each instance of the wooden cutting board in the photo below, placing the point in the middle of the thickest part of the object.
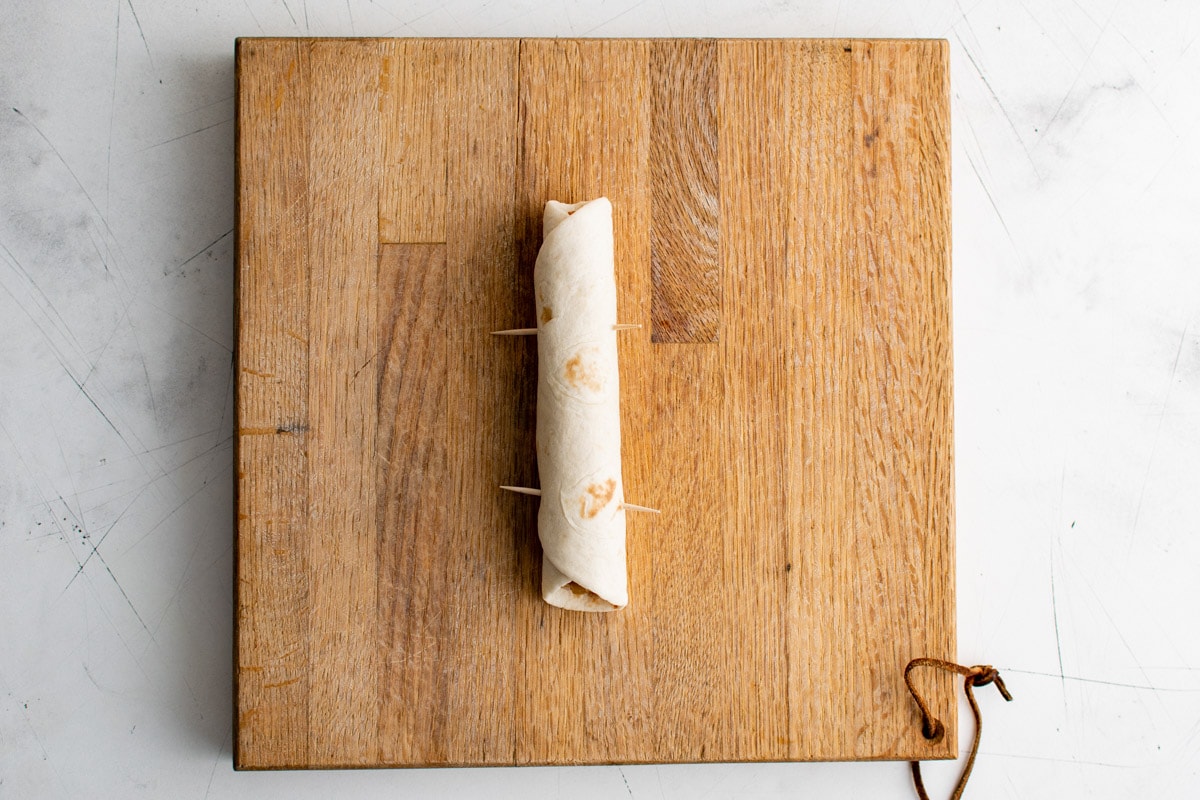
(781, 214)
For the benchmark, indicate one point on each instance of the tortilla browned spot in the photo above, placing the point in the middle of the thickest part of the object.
(580, 373)
(596, 497)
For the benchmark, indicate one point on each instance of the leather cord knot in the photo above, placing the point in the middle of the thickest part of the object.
(983, 675)
(932, 727)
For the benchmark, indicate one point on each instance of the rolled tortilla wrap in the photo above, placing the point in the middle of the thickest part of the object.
(581, 522)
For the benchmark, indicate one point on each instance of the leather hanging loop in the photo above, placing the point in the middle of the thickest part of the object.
(933, 729)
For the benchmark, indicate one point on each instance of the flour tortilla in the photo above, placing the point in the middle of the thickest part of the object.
(581, 521)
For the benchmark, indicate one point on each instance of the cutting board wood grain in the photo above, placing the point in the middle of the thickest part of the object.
(782, 234)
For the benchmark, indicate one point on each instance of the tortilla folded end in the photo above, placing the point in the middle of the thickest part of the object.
(558, 589)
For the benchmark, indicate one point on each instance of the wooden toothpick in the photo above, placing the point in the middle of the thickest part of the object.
(620, 326)
(538, 493)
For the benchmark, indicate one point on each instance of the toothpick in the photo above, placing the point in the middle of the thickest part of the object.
(620, 326)
(538, 493)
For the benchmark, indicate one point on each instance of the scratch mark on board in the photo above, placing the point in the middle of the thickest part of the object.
(626, 781)
(1137, 514)
(289, 12)
(96, 545)
(666, 17)
(365, 365)
(228, 387)
(213, 774)
(92, 678)
(197, 254)
(112, 112)
(257, 24)
(62, 362)
(185, 135)
(41, 745)
(74, 177)
(147, 452)
(192, 327)
(74, 486)
(182, 584)
(121, 589)
(95, 361)
(992, 200)
(1139, 686)
(386, 11)
(186, 500)
(1099, 603)
(49, 306)
(614, 18)
(138, 22)
(1059, 760)
(1057, 634)
(145, 371)
(210, 105)
(98, 605)
(1082, 68)
(100, 411)
(996, 99)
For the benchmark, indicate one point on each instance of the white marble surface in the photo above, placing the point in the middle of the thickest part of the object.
(1077, 349)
